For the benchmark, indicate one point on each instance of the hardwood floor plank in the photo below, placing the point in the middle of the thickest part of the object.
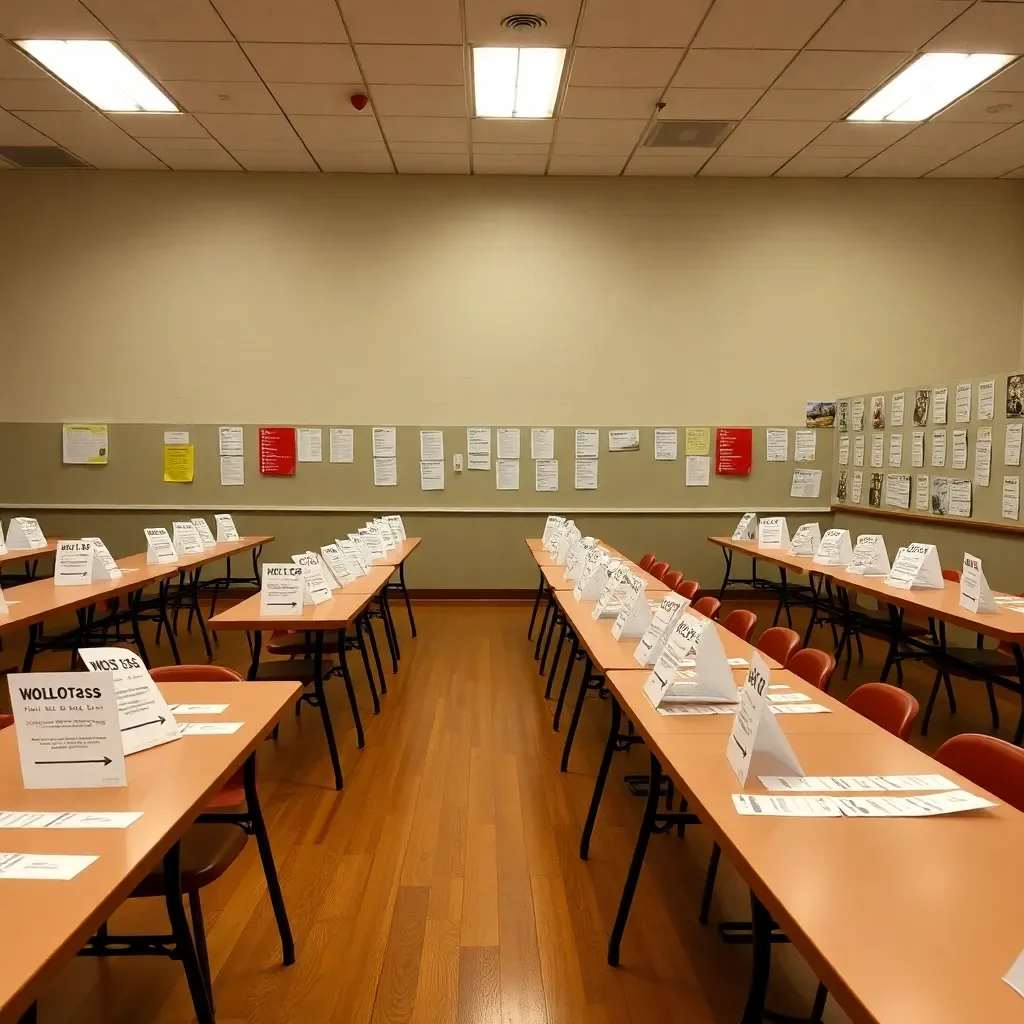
(479, 985)
(399, 978)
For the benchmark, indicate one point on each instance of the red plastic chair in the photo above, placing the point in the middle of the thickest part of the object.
(887, 706)
(953, 575)
(647, 561)
(6, 721)
(741, 622)
(988, 762)
(673, 579)
(688, 589)
(813, 666)
(779, 643)
(708, 606)
(659, 570)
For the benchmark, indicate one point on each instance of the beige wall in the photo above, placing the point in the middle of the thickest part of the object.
(217, 298)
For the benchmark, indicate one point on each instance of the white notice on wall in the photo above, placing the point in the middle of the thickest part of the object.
(856, 488)
(385, 444)
(542, 443)
(1011, 497)
(342, 444)
(86, 444)
(806, 483)
(777, 444)
(982, 463)
(232, 471)
(858, 414)
(623, 440)
(804, 448)
(508, 442)
(858, 450)
(385, 472)
(507, 474)
(877, 450)
(897, 490)
(1011, 449)
(960, 498)
(959, 449)
(940, 399)
(587, 442)
(586, 474)
(895, 450)
(917, 449)
(67, 730)
(896, 410)
(666, 444)
(844, 450)
(432, 476)
(311, 444)
(546, 474)
(431, 445)
(478, 447)
(962, 409)
(698, 470)
(176, 437)
(231, 440)
(921, 493)
(986, 399)
(938, 448)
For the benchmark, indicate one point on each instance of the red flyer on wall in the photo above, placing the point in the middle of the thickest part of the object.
(277, 451)
(733, 448)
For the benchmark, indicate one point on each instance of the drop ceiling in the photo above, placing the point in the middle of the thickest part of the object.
(265, 86)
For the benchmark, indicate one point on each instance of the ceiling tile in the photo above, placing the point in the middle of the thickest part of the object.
(484, 28)
(623, 67)
(509, 164)
(403, 21)
(979, 164)
(412, 65)
(897, 165)
(984, 28)
(430, 147)
(512, 148)
(129, 156)
(486, 129)
(336, 132)
(1010, 79)
(194, 62)
(950, 137)
(731, 69)
(770, 138)
(14, 63)
(303, 62)
(768, 24)
(589, 101)
(14, 132)
(610, 133)
(262, 160)
(586, 165)
(39, 94)
(419, 100)
(160, 126)
(852, 133)
(223, 97)
(898, 25)
(317, 98)
(424, 129)
(846, 69)
(163, 146)
(983, 105)
(48, 19)
(641, 22)
(670, 167)
(160, 19)
(709, 104)
(842, 152)
(432, 163)
(740, 167)
(588, 149)
(251, 131)
(806, 104)
(283, 21)
(1018, 173)
(343, 162)
(200, 160)
(71, 128)
(805, 165)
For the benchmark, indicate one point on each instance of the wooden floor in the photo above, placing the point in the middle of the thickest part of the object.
(443, 884)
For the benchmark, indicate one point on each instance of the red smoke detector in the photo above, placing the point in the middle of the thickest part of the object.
(358, 100)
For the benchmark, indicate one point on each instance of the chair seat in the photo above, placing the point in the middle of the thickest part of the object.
(298, 648)
(231, 794)
(207, 851)
(880, 620)
(992, 660)
(302, 670)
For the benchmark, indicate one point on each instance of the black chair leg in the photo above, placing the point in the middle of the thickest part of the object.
(184, 947)
(709, 883)
(199, 936)
(931, 703)
(993, 707)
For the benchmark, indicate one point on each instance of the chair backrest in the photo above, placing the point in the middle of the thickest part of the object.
(708, 606)
(195, 674)
(647, 561)
(813, 666)
(953, 575)
(779, 643)
(741, 622)
(687, 589)
(673, 579)
(989, 762)
(888, 706)
(6, 721)
(659, 570)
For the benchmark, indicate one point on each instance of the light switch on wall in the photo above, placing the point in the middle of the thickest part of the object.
(457, 463)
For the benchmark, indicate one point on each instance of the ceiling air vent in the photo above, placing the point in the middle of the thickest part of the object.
(523, 22)
(40, 156)
(688, 134)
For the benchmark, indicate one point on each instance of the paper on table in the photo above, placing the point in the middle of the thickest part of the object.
(777, 444)
(917, 448)
(42, 866)
(507, 473)
(198, 709)
(853, 783)
(804, 448)
(877, 449)
(788, 698)
(938, 448)
(666, 444)
(953, 802)
(959, 449)
(962, 411)
(385, 472)
(1011, 497)
(896, 409)
(68, 819)
(431, 445)
(806, 483)
(623, 440)
(588, 441)
(895, 449)
(698, 470)
(799, 709)
(311, 444)
(940, 397)
(542, 443)
(232, 471)
(231, 440)
(787, 806)
(546, 475)
(209, 728)
(385, 445)
(432, 476)
(508, 442)
(342, 444)
(986, 399)
(1011, 450)
(698, 440)
(586, 474)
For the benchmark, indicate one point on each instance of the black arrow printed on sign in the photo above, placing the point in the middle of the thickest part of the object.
(156, 721)
(103, 760)
(283, 604)
(743, 749)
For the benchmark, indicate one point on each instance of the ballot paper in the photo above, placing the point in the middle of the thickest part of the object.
(773, 532)
(776, 445)
(869, 556)
(635, 615)
(835, 548)
(917, 567)
(787, 806)
(853, 783)
(208, 728)
(793, 697)
(711, 681)
(199, 709)
(975, 593)
(953, 802)
(805, 540)
(666, 444)
(651, 644)
(68, 819)
(46, 867)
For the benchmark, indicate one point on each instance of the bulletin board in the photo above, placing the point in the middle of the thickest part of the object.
(987, 499)
(32, 475)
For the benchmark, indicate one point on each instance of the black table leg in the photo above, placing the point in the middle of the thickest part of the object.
(194, 608)
(543, 625)
(895, 630)
(164, 588)
(134, 603)
(558, 654)
(368, 619)
(257, 644)
(610, 747)
(342, 661)
(728, 571)
(536, 605)
(366, 663)
(586, 683)
(567, 675)
(405, 594)
(753, 1012)
(321, 698)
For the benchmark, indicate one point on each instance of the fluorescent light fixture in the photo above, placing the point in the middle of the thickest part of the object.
(516, 82)
(99, 71)
(931, 82)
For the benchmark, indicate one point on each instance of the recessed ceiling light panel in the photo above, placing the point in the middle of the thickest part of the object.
(510, 81)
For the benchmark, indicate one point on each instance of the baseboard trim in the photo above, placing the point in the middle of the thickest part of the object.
(464, 594)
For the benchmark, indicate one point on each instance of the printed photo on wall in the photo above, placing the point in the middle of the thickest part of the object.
(940, 495)
(921, 401)
(1015, 396)
(841, 490)
(875, 491)
(820, 414)
(878, 412)
(843, 414)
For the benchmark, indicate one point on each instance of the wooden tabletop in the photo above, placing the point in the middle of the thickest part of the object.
(46, 923)
(334, 614)
(223, 550)
(32, 602)
(554, 575)
(371, 583)
(29, 554)
(776, 556)
(396, 556)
